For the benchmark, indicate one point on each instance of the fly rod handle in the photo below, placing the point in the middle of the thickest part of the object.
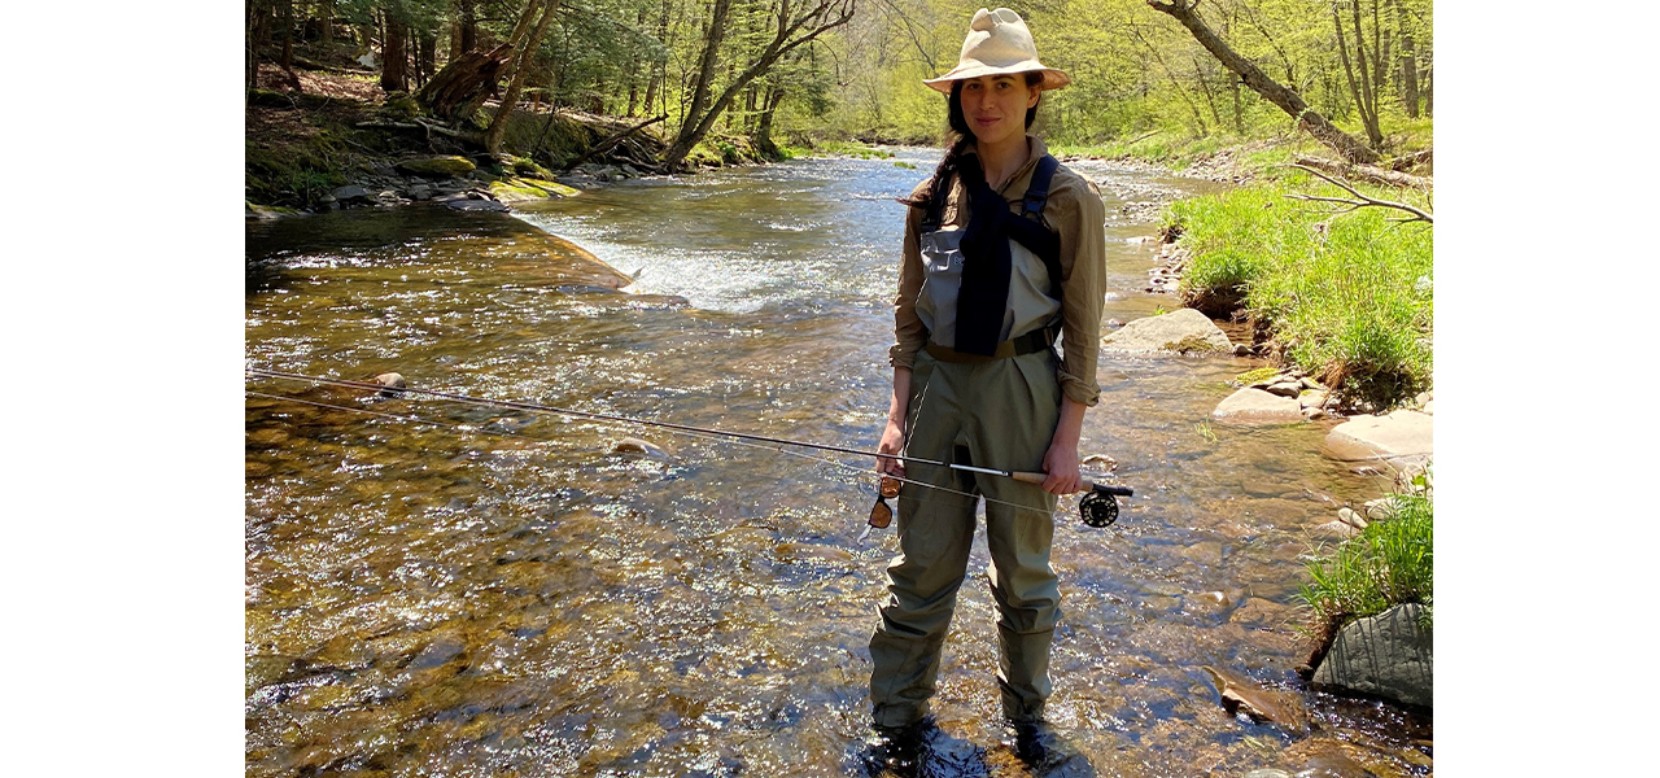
(1038, 478)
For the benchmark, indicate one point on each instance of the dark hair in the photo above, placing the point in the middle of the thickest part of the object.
(961, 138)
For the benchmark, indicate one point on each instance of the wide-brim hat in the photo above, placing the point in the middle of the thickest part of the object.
(998, 43)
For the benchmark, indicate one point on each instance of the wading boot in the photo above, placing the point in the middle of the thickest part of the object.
(898, 750)
(1041, 748)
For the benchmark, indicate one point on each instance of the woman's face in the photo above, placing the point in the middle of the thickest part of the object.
(995, 107)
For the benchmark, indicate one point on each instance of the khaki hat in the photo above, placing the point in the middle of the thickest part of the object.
(998, 43)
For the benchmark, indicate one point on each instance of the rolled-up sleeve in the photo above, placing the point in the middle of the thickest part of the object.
(908, 333)
(1080, 218)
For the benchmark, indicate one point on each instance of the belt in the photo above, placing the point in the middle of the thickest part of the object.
(1032, 342)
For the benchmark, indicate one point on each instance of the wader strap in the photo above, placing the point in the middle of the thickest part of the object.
(1032, 342)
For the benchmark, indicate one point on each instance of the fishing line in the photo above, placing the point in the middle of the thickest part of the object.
(693, 432)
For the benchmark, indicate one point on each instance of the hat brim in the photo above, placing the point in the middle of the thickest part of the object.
(1052, 78)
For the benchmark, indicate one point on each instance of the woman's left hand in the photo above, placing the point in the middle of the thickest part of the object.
(1061, 463)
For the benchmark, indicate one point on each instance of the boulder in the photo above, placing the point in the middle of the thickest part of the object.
(1255, 406)
(350, 193)
(1182, 331)
(438, 167)
(1403, 438)
(1390, 655)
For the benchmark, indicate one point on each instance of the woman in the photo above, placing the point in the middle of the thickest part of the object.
(994, 267)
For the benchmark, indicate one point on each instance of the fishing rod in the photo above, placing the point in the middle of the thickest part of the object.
(1098, 508)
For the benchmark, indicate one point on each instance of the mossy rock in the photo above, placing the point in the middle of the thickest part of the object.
(525, 166)
(511, 190)
(1253, 376)
(553, 188)
(438, 167)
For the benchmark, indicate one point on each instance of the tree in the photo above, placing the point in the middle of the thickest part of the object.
(796, 22)
(525, 41)
(1186, 12)
(1364, 82)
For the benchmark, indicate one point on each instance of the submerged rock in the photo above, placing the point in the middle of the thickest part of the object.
(1242, 695)
(1255, 406)
(1182, 331)
(640, 446)
(1390, 655)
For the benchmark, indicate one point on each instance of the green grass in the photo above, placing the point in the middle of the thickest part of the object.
(1346, 297)
(1389, 563)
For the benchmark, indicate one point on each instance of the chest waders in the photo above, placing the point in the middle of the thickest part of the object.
(992, 411)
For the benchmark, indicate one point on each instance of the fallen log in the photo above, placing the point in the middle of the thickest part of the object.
(606, 145)
(1368, 173)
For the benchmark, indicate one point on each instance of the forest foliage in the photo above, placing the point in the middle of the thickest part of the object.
(1364, 64)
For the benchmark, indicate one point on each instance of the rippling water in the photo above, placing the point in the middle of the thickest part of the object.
(436, 588)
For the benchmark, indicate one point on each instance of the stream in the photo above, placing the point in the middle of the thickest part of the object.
(438, 588)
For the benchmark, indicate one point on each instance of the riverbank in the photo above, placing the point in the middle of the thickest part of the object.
(339, 141)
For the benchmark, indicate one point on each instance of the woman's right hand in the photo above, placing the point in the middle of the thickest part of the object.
(893, 442)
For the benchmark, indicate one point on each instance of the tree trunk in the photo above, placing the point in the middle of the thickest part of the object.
(1289, 101)
(468, 21)
(791, 33)
(256, 16)
(1368, 86)
(520, 66)
(461, 87)
(763, 128)
(427, 58)
(325, 12)
(394, 55)
(1409, 64)
(684, 141)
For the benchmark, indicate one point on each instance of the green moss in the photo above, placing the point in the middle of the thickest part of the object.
(552, 188)
(1255, 376)
(438, 166)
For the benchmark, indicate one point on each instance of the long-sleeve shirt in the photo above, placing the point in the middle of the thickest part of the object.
(1075, 211)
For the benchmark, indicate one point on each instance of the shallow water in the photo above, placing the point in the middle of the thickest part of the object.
(437, 588)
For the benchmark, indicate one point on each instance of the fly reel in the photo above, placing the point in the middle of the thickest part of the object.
(1099, 508)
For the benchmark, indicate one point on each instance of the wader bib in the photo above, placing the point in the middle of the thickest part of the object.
(995, 411)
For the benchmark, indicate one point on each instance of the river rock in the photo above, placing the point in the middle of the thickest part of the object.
(1381, 508)
(468, 204)
(1403, 438)
(1336, 529)
(640, 446)
(438, 167)
(1285, 388)
(1268, 772)
(1389, 655)
(346, 193)
(1242, 695)
(393, 383)
(1255, 406)
(1313, 398)
(1182, 330)
(1348, 516)
(1258, 612)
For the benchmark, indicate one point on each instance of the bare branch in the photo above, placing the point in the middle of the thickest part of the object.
(1362, 200)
